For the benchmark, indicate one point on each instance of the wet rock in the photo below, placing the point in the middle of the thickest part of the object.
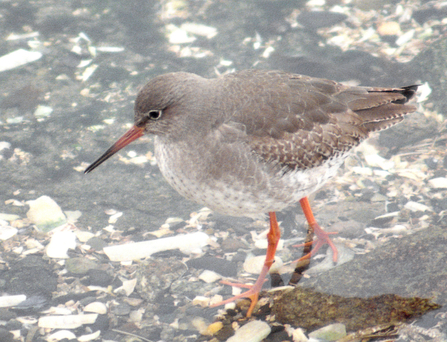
(311, 309)
(412, 266)
(98, 278)
(221, 266)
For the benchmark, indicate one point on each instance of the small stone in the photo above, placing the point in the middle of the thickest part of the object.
(331, 332)
(96, 243)
(389, 28)
(221, 266)
(80, 265)
(438, 183)
(98, 278)
(214, 328)
(254, 331)
(209, 276)
(42, 111)
(45, 214)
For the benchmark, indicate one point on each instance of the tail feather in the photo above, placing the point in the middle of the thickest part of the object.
(381, 108)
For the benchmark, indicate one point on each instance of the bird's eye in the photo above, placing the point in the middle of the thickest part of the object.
(155, 114)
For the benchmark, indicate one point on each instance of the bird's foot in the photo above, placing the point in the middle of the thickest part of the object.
(252, 293)
(321, 239)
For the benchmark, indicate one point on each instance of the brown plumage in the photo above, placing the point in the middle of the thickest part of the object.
(256, 141)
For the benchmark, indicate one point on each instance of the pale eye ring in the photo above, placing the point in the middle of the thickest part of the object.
(154, 114)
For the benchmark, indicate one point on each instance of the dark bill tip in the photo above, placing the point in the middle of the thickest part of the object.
(131, 135)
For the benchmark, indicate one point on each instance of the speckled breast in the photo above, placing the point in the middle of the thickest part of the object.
(234, 195)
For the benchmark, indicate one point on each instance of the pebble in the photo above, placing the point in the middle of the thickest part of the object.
(213, 328)
(255, 331)
(42, 111)
(209, 276)
(45, 214)
(389, 28)
(80, 265)
(331, 332)
(438, 183)
(98, 278)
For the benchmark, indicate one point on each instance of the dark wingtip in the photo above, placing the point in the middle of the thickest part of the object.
(408, 92)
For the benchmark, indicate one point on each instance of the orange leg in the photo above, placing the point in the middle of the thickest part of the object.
(253, 293)
(322, 236)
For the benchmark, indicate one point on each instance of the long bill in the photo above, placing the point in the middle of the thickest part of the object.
(132, 134)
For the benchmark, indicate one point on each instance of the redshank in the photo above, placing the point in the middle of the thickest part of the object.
(257, 141)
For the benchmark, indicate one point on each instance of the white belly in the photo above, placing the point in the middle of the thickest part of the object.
(238, 193)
